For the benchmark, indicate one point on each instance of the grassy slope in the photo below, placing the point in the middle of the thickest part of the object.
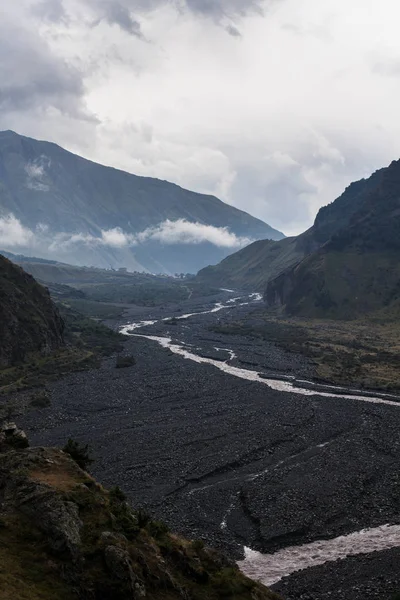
(260, 263)
(361, 353)
(86, 341)
(251, 267)
(32, 568)
(345, 284)
(29, 322)
(357, 271)
(107, 286)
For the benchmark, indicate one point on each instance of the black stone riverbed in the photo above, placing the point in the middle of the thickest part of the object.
(232, 461)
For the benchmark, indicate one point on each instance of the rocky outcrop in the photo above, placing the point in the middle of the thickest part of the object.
(11, 437)
(64, 536)
(29, 321)
(275, 264)
(356, 271)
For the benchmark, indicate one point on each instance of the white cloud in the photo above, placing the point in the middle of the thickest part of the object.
(167, 232)
(13, 233)
(315, 82)
(36, 172)
(185, 232)
(117, 238)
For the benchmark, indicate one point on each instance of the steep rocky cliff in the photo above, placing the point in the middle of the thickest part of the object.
(344, 266)
(357, 271)
(256, 265)
(29, 321)
(63, 536)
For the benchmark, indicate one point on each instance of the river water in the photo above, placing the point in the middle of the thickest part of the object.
(271, 568)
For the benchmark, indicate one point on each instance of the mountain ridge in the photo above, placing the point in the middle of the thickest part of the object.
(266, 265)
(29, 321)
(355, 272)
(44, 185)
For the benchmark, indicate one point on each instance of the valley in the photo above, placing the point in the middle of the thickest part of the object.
(228, 438)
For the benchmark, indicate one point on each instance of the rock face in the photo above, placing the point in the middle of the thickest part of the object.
(11, 437)
(29, 321)
(356, 271)
(256, 265)
(41, 183)
(345, 265)
(64, 536)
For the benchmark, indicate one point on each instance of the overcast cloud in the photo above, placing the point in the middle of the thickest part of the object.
(274, 106)
(14, 235)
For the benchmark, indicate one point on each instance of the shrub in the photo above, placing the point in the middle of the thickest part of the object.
(116, 494)
(172, 321)
(79, 453)
(41, 400)
(157, 529)
(125, 361)
(17, 441)
(125, 520)
(198, 545)
(143, 517)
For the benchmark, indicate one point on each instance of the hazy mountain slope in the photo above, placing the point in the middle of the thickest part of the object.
(41, 183)
(254, 266)
(251, 267)
(29, 322)
(358, 270)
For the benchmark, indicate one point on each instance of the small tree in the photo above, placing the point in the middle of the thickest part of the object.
(79, 453)
(123, 362)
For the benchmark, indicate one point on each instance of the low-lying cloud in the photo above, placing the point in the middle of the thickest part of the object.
(13, 234)
(186, 232)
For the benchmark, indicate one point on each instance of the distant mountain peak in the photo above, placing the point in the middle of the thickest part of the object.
(102, 216)
(344, 266)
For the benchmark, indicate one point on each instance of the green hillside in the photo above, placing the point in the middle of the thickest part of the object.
(357, 271)
(29, 322)
(251, 267)
(345, 265)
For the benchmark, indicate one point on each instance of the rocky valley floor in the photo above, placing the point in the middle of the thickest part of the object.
(263, 464)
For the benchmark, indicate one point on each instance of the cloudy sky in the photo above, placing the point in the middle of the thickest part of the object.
(274, 106)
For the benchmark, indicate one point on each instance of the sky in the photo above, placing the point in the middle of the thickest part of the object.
(274, 106)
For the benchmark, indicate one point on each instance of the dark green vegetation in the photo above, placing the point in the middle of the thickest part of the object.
(339, 300)
(356, 272)
(41, 341)
(251, 267)
(86, 287)
(85, 341)
(42, 183)
(29, 322)
(123, 362)
(63, 536)
(87, 334)
(79, 453)
(362, 353)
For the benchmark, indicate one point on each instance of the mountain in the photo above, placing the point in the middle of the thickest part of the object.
(29, 321)
(61, 206)
(251, 267)
(255, 266)
(357, 271)
(63, 536)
